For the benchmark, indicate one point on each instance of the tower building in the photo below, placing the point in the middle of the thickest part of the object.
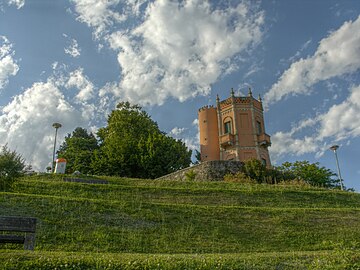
(234, 130)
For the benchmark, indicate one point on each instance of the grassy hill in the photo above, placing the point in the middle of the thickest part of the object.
(168, 225)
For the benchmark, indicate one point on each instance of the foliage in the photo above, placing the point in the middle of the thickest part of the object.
(239, 177)
(254, 169)
(311, 173)
(190, 175)
(299, 173)
(132, 145)
(78, 150)
(12, 166)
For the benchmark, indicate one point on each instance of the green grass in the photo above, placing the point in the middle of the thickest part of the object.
(130, 217)
(75, 260)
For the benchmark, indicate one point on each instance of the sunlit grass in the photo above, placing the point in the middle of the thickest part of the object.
(167, 217)
(336, 259)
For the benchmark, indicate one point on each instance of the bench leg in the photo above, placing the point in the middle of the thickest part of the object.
(29, 242)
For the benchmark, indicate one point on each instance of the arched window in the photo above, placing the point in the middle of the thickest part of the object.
(227, 125)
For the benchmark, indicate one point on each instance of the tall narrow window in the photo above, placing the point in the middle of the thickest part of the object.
(258, 127)
(227, 127)
(263, 161)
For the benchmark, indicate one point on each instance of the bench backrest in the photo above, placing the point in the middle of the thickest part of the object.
(18, 224)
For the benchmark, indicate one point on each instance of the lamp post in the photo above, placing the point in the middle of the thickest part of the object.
(56, 126)
(334, 148)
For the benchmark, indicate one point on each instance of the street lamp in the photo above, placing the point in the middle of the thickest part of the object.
(56, 126)
(334, 148)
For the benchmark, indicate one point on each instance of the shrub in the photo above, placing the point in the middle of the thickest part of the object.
(12, 166)
(239, 177)
(254, 169)
(295, 182)
(190, 175)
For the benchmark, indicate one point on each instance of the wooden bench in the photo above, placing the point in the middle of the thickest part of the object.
(24, 227)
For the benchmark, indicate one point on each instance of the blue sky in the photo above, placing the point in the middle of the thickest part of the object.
(71, 61)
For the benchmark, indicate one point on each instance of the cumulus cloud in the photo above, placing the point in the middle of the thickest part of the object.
(85, 87)
(73, 48)
(8, 66)
(284, 143)
(340, 123)
(98, 14)
(18, 3)
(101, 15)
(179, 50)
(176, 131)
(336, 55)
(26, 121)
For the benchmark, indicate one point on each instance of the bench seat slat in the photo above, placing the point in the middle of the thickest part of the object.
(16, 239)
(18, 224)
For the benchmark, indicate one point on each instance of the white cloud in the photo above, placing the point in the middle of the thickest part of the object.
(186, 135)
(26, 121)
(101, 15)
(98, 14)
(195, 122)
(284, 143)
(181, 49)
(73, 48)
(8, 66)
(78, 80)
(18, 3)
(340, 123)
(336, 55)
(176, 131)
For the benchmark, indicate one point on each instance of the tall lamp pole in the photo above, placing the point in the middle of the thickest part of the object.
(56, 126)
(334, 148)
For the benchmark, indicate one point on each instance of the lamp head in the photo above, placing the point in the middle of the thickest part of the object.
(334, 147)
(56, 125)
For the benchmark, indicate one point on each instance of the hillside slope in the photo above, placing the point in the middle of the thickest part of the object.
(147, 216)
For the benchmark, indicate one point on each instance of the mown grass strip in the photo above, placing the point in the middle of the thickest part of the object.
(202, 186)
(187, 196)
(338, 259)
(182, 205)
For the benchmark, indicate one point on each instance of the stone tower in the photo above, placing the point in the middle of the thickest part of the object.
(234, 130)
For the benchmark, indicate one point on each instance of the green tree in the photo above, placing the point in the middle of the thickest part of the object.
(78, 150)
(254, 169)
(132, 145)
(161, 154)
(12, 166)
(312, 173)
